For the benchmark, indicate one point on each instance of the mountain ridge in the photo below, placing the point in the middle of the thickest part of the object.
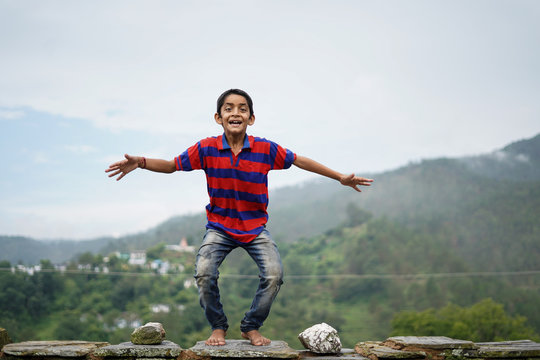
(420, 192)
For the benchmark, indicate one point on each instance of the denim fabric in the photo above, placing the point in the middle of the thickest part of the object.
(215, 247)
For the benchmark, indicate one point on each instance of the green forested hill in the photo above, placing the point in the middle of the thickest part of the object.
(355, 277)
(519, 161)
(423, 236)
(19, 249)
(475, 198)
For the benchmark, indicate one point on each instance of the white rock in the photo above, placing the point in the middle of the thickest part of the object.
(321, 339)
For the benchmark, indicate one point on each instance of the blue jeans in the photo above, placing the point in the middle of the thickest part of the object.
(215, 247)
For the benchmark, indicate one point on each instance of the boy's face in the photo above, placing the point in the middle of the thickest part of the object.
(234, 115)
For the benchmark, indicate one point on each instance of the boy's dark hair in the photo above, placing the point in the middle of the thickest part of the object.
(222, 97)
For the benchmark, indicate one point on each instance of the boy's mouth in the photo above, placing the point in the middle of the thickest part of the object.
(235, 122)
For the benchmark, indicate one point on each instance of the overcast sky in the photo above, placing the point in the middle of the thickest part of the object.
(362, 86)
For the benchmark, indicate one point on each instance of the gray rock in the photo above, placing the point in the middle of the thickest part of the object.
(166, 349)
(434, 347)
(376, 350)
(321, 339)
(4, 338)
(243, 349)
(65, 349)
(345, 354)
(506, 349)
(151, 333)
(428, 342)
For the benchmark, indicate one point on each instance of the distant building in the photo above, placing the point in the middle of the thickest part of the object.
(160, 266)
(182, 247)
(30, 270)
(160, 308)
(127, 320)
(137, 257)
(121, 256)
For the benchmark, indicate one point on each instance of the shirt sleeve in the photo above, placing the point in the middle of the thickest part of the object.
(191, 159)
(282, 158)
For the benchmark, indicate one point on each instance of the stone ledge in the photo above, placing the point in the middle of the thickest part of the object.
(165, 350)
(65, 349)
(433, 347)
(428, 342)
(345, 354)
(505, 350)
(240, 349)
(377, 350)
(401, 347)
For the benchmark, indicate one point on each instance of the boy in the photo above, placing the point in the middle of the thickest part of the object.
(236, 167)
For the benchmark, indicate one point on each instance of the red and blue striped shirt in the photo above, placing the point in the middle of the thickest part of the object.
(237, 184)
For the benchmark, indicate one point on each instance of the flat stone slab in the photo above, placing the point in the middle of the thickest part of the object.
(244, 349)
(428, 342)
(167, 349)
(376, 350)
(52, 348)
(345, 354)
(506, 349)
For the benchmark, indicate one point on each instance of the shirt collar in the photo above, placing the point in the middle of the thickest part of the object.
(224, 145)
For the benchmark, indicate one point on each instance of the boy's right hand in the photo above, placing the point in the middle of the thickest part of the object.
(123, 167)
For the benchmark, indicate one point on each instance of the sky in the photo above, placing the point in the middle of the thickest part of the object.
(360, 86)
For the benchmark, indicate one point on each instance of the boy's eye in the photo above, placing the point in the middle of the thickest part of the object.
(227, 109)
(243, 110)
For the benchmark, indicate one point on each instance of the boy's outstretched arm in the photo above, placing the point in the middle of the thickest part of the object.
(130, 163)
(348, 180)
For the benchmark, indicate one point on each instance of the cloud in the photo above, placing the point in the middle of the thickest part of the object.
(105, 210)
(11, 114)
(41, 158)
(81, 149)
(358, 86)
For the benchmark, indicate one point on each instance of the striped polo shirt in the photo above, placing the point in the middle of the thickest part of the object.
(237, 184)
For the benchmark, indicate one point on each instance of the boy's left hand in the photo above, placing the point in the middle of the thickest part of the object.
(355, 181)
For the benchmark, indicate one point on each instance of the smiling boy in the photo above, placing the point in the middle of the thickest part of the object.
(236, 167)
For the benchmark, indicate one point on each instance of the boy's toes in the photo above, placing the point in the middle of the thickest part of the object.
(255, 337)
(217, 338)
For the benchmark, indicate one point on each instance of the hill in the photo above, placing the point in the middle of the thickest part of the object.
(485, 199)
(18, 249)
(519, 161)
(423, 236)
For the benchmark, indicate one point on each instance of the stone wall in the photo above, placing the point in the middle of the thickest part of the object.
(401, 347)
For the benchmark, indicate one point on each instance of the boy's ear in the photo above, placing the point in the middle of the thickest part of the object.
(218, 118)
(251, 120)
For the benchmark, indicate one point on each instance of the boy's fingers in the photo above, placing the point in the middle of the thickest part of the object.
(364, 181)
(119, 167)
(112, 168)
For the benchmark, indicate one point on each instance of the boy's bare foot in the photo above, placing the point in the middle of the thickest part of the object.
(217, 338)
(256, 338)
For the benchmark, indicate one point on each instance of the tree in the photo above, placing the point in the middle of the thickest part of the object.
(356, 216)
(483, 321)
(156, 251)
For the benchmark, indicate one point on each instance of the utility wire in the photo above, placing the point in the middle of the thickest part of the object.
(320, 276)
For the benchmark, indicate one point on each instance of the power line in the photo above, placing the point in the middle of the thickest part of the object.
(300, 277)
(418, 276)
